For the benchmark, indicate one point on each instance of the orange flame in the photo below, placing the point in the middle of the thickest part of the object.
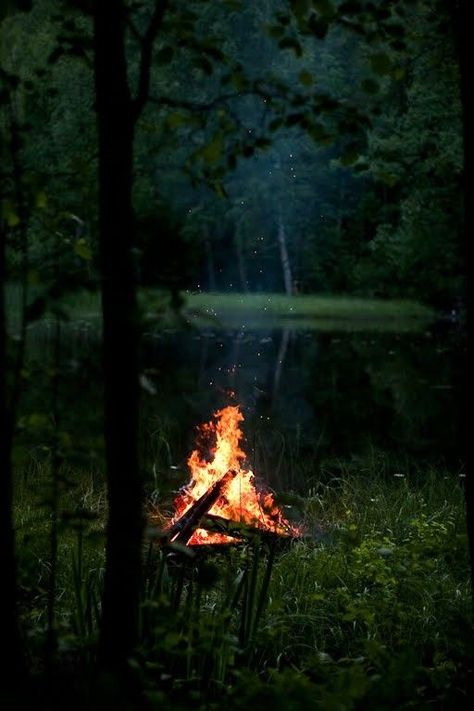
(239, 500)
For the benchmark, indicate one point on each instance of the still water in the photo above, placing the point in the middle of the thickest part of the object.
(313, 400)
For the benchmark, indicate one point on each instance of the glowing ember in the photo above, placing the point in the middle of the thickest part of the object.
(239, 500)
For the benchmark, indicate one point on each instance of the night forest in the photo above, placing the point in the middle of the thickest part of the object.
(235, 329)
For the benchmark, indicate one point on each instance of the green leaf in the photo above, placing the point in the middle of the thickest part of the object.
(306, 78)
(176, 119)
(147, 384)
(212, 153)
(65, 439)
(220, 190)
(33, 277)
(381, 63)
(37, 420)
(41, 199)
(165, 55)
(9, 213)
(398, 73)
(82, 249)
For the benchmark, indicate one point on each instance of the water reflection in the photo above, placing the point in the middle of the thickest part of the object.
(309, 396)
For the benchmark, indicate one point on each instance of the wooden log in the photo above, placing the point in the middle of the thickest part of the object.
(182, 530)
(241, 531)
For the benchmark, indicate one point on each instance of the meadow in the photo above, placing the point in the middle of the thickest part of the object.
(370, 608)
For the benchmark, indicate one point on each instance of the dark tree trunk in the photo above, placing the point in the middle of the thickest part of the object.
(119, 627)
(13, 666)
(463, 32)
(282, 241)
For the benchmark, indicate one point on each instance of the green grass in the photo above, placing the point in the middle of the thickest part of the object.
(251, 311)
(304, 306)
(370, 609)
(305, 311)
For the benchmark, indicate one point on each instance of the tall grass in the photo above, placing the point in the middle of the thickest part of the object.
(374, 596)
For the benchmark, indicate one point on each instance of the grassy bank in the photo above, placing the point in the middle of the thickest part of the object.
(310, 311)
(251, 311)
(371, 609)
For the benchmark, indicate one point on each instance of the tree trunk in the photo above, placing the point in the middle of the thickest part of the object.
(284, 258)
(13, 667)
(119, 627)
(465, 48)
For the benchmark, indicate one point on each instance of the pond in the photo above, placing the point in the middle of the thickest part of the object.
(314, 400)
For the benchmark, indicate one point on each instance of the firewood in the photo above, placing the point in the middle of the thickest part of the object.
(182, 530)
(240, 531)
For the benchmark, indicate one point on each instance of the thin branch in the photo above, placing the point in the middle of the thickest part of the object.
(256, 89)
(146, 53)
(194, 105)
(133, 30)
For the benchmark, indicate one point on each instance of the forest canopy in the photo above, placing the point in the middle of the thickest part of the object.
(342, 134)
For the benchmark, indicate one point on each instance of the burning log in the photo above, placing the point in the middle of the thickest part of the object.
(202, 513)
(182, 530)
(241, 532)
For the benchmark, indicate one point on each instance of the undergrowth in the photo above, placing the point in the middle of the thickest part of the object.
(370, 609)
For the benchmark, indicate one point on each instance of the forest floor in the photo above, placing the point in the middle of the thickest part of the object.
(370, 609)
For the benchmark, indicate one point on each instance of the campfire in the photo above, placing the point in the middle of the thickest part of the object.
(221, 498)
